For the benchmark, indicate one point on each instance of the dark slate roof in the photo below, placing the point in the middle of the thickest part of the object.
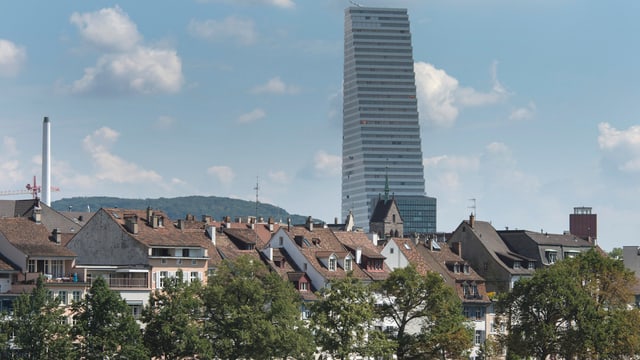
(32, 239)
(545, 238)
(489, 237)
(381, 210)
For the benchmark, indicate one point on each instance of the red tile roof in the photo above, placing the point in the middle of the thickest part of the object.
(32, 239)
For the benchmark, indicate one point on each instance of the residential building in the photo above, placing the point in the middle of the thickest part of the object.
(544, 248)
(490, 256)
(381, 131)
(631, 259)
(136, 250)
(29, 250)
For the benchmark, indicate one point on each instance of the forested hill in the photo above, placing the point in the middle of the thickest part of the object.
(178, 207)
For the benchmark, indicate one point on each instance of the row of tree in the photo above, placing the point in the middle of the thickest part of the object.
(244, 311)
(578, 308)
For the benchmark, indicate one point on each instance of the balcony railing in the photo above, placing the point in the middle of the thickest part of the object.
(128, 283)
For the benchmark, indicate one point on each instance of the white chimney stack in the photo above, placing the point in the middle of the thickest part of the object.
(46, 162)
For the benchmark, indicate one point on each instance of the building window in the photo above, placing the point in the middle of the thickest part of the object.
(280, 241)
(194, 276)
(332, 264)
(390, 250)
(76, 296)
(185, 252)
(466, 268)
(163, 261)
(516, 264)
(163, 275)
(194, 262)
(136, 310)
(31, 266)
(179, 261)
(56, 268)
(456, 268)
(305, 267)
(304, 286)
(479, 338)
(62, 296)
(348, 264)
(552, 256)
(532, 265)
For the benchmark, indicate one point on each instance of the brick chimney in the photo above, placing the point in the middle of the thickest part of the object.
(472, 220)
(57, 236)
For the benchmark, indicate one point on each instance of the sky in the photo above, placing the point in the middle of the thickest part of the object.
(527, 108)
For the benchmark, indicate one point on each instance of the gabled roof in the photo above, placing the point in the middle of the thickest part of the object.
(491, 240)
(32, 239)
(325, 242)
(382, 209)
(358, 240)
(167, 235)
(65, 222)
(565, 240)
(408, 249)
(227, 249)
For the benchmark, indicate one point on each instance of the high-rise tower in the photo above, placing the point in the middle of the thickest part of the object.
(381, 130)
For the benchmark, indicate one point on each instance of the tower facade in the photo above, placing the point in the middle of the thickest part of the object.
(381, 130)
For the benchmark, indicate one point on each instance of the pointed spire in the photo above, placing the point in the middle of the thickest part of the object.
(386, 184)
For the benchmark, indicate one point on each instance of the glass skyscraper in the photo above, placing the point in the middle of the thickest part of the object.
(381, 131)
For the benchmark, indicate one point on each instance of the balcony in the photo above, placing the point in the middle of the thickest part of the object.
(124, 282)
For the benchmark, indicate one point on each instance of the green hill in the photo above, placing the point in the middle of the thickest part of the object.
(179, 207)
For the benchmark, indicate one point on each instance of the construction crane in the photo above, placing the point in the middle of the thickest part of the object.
(32, 189)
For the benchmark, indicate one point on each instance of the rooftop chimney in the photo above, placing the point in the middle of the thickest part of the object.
(131, 223)
(149, 214)
(37, 215)
(310, 223)
(358, 255)
(206, 219)
(472, 220)
(211, 234)
(181, 224)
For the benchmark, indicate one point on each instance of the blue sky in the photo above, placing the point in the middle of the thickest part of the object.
(528, 107)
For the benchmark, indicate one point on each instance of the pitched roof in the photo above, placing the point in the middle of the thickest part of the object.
(381, 210)
(408, 249)
(166, 235)
(359, 240)
(326, 241)
(32, 239)
(546, 238)
(491, 240)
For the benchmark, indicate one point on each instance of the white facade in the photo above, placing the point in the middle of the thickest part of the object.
(381, 131)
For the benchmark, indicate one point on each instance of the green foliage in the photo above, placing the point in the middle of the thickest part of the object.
(576, 308)
(342, 318)
(424, 302)
(253, 313)
(40, 332)
(179, 207)
(105, 327)
(173, 321)
(616, 253)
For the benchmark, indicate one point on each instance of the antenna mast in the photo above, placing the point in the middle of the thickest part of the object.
(257, 189)
(473, 207)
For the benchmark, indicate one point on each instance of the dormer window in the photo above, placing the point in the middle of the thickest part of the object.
(348, 264)
(466, 268)
(456, 268)
(551, 255)
(304, 286)
(332, 264)
(532, 265)
(516, 264)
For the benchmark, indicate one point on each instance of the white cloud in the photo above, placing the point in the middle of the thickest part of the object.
(523, 113)
(9, 147)
(326, 164)
(12, 58)
(285, 4)
(621, 146)
(109, 29)
(279, 177)
(110, 167)
(164, 122)
(252, 116)
(143, 70)
(498, 148)
(275, 86)
(231, 28)
(452, 162)
(126, 66)
(440, 96)
(224, 174)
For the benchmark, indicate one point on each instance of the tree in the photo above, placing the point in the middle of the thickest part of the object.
(342, 318)
(38, 326)
(616, 253)
(174, 322)
(426, 312)
(253, 313)
(105, 327)
(575, 308)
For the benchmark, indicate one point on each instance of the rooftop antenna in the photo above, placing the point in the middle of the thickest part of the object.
(257, 189)
(473, 207)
